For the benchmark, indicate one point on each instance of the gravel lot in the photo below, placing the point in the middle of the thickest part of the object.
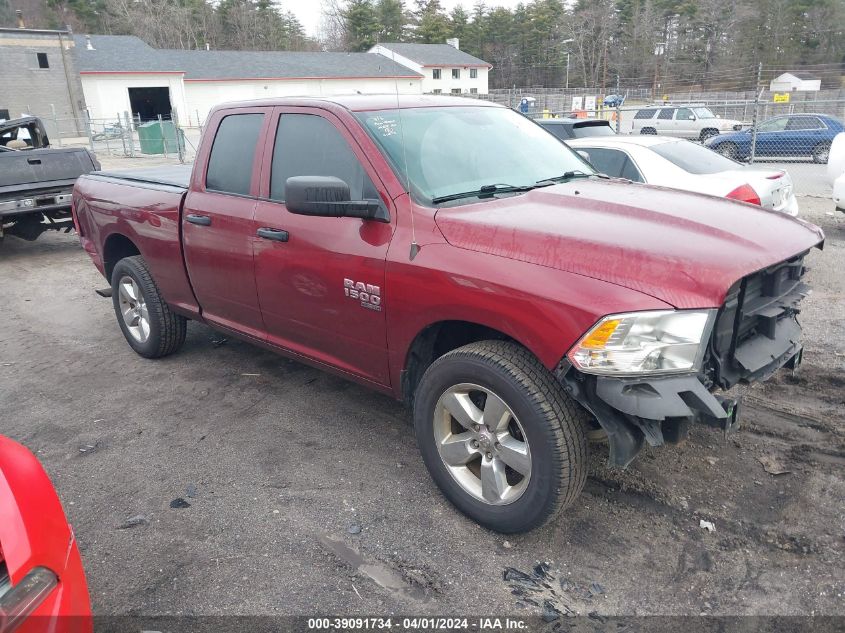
(255, 475)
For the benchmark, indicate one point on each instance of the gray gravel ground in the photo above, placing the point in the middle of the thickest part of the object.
(279, 464)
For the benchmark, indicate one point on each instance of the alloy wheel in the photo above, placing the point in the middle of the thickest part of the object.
(133, 308)
(482, 444)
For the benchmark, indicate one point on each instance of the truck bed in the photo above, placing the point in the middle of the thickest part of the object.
(144, 207)
(39, 169)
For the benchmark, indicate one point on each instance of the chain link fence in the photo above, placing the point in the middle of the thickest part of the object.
(124, 134)
(793, 135)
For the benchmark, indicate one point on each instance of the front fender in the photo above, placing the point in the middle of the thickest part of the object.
(544, 309)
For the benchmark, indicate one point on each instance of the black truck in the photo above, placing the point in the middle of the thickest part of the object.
(36, 181)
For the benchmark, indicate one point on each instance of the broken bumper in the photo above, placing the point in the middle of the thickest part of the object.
(656, 410)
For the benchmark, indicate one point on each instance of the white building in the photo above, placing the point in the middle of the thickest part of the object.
(444, 67)
(122, 73)
(795, 82)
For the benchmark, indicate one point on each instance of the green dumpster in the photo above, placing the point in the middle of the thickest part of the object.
(158, 137)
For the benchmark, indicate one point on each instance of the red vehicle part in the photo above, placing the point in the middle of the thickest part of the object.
(42, 584)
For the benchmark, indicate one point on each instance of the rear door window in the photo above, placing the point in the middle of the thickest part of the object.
(233, 154)
(645, 114)
(804, 123)
(666, 114)
(310, 145)
(613, 162)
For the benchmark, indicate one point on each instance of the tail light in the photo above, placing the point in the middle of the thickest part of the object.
(776, 176)
(18, 602)
(745, 193)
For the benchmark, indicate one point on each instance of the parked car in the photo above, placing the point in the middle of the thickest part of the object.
(788, 136)
(451, 253)
(836, 170)
(682, 164)
(687, 121)
(35, 181)
(567, 128)
(839, 192)
(613, 101)
(42, 584)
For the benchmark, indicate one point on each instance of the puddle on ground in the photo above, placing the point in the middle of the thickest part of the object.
(380, 574)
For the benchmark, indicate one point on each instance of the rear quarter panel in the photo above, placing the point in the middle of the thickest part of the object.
(106, 208)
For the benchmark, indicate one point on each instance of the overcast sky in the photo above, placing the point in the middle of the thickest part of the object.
(309, 12)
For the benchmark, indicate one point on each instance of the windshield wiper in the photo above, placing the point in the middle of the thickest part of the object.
(568, 175)
(483, 192)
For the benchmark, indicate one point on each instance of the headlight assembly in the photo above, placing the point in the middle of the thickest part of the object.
(644, 343)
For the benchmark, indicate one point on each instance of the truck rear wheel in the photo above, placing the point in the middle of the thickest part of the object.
(499, 436)
(151, 328)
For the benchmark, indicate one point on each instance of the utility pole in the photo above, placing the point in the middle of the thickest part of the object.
(569, 41)
(757, 93)
(567, 70)
(659, 49)
(604, 73)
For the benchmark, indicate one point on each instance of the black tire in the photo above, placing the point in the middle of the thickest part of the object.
(821, 153)
(166, 328)
(707, 133)
(648, 130)
(728, 150)
(554, 427)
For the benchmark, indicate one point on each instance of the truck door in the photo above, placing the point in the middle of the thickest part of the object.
(217, 220)
(321, 280)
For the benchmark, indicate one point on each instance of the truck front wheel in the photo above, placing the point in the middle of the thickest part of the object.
(151, 328)
(499, 436)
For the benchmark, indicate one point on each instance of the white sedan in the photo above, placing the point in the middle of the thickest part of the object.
(836, 170)
(681, 164)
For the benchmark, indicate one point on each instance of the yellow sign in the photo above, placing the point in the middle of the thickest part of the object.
(781, 97)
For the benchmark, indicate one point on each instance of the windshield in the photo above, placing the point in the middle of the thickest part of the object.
(449, 150)
(694, 158)
(703, 113)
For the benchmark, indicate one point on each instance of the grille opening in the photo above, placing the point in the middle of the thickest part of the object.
(756, 326)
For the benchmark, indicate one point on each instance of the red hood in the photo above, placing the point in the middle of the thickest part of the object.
(685, 249)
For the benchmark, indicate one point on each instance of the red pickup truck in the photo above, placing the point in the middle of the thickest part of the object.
(455, 255)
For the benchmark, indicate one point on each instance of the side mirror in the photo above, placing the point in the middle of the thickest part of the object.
(327, 196)
(583, 154)
(691, 117)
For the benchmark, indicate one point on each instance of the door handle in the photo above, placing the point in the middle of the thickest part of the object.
(201, 220)
(33, 161)
(273, 234)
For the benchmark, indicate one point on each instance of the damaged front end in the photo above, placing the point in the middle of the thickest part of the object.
(753, 334)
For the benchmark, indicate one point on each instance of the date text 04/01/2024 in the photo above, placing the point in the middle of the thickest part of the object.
(418, 624)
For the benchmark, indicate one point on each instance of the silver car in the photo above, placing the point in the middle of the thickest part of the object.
(687, 121)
